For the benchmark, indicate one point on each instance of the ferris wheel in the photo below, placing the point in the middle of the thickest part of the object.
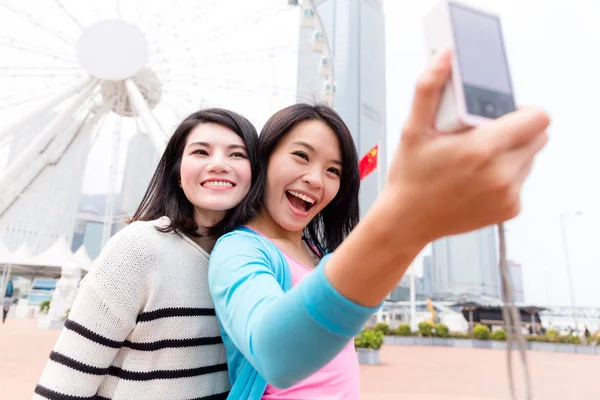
(74, 74)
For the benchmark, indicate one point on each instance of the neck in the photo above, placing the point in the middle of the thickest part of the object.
(265, 224)
(206, 219)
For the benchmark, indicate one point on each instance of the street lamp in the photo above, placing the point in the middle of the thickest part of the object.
(568, 261)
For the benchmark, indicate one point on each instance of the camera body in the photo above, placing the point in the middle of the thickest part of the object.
(480, 88)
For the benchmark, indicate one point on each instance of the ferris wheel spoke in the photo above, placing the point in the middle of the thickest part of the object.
(35, 22)
(39, 94)
(139, 104)
(226, 33)
(174, 110)
(183, 105)
(196, 16)
(233, 56)
(233, 85)
(112, 182)
(47, 104)
(215, 34)
(11, 181)
(69, 14)
(22, 47)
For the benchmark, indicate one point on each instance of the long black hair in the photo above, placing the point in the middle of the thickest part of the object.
(326, 230)
(164, 196)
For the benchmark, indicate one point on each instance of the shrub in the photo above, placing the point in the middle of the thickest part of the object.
(551, 335)
(403, 330)
(499, 334)
(569, 339)
(481, 332)
(425, 328)
(383, 328)
(369, 339)
(460, 335)
(441, 330)
(45, 306)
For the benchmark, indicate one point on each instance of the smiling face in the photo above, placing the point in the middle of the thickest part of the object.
(215, 171)
(303, 175)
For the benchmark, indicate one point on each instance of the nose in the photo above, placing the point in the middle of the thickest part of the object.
(218, 163)
(314, 178)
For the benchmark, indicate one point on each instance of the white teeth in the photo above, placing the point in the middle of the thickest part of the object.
(217, 184)
(301, 196)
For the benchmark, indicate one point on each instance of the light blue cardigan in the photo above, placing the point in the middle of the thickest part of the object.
(272, 332)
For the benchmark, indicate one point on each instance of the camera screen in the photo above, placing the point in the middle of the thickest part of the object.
(482, 60)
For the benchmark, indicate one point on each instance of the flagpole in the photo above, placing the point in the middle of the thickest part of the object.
(379, 166)
(380, 311)
(413, 304)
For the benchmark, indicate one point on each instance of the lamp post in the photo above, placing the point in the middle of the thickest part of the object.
(568, 262)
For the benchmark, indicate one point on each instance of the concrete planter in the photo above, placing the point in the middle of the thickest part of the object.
(399, 340)
(423, 341)
(498, 345)
(441, 342)
(481, 344)
(586, 350)
(463, 343)
(566, 348)
(367, 356)
(489, 344)
(540, 346)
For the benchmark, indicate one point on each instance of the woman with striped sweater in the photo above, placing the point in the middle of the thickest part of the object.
(143, 325)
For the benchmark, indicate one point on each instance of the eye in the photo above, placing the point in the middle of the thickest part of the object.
(238, 154)
(201, 152)
(335, 171)
(301, 154)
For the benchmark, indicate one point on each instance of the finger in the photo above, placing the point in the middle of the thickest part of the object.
(429, 89)
(513, 131)
(528, 154)
(517, 164)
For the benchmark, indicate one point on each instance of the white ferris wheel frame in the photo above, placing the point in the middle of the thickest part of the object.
(22, 172)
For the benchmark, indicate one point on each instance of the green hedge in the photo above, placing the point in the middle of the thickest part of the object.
(441, 330)
(383, 328)
(369, 339)
(481, 332)
(403, 330)
(45, 306)
(425, 329)
(499, 334)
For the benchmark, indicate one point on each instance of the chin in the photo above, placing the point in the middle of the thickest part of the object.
(217, 205)
(293, 226)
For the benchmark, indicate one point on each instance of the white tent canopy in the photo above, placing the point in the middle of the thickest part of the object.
(5, 254)
(83, 259)
(46, 264)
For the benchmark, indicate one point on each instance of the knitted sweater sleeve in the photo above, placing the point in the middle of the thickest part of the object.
(105, 310)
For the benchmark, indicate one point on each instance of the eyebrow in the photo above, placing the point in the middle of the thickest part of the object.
(229, 147)
(312, 149)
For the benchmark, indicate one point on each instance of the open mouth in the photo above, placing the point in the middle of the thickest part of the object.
(299, 201)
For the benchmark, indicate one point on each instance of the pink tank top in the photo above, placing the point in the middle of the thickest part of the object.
(337, 380)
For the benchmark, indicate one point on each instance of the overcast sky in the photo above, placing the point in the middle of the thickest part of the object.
(553, 54)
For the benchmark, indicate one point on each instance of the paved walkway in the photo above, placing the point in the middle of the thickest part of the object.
(406, 373)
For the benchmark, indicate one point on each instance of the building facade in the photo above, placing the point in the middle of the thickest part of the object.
(465, 266)
(355, 30)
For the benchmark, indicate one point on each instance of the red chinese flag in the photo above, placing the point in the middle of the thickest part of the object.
(369, 162)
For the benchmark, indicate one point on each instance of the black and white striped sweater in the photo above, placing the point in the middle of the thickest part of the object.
(143, 325)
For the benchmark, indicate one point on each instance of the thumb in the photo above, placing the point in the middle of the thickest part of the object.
(428, 91)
